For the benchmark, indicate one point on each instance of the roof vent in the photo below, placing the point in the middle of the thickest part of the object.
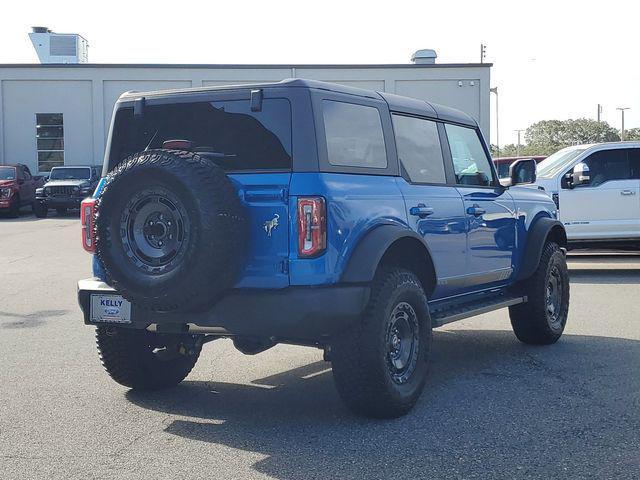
(425, 56)
(54, 47)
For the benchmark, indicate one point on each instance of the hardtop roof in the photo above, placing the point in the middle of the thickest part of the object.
(396, 103)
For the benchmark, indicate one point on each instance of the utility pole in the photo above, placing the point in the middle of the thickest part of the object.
(483, 52)
(622, 109)
(495, 90)
(599, 112)
(520, 130)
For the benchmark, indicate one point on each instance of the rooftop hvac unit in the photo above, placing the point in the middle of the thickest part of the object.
(54, 47)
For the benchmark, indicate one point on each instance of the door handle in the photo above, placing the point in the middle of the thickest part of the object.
(421, 210)
(627, 192)
(476, 210)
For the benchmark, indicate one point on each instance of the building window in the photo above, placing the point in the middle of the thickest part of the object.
(49, 140)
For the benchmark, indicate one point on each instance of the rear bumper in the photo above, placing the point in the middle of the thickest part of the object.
(294, 314)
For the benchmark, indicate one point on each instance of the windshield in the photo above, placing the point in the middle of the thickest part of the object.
(557, 162)
(70, 174)
(7, 173)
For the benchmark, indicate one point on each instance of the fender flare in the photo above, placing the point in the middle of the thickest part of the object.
(365, 258)
(539, 232)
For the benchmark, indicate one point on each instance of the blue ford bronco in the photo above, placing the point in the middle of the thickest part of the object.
(313, 214)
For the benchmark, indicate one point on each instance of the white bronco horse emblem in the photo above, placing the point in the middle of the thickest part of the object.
(269, 225)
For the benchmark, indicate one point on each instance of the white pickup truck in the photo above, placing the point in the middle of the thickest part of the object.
(597, 191)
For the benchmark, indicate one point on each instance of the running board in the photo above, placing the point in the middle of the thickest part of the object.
(440, 317)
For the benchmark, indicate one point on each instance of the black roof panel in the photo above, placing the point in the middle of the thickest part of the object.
(396, 102)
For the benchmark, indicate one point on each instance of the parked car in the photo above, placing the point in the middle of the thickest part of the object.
(315, 214)
(65, 189)
(597, 190)
(17, 188)
(502, 163)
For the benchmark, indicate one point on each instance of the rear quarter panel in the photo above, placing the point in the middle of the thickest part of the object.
(355, 205)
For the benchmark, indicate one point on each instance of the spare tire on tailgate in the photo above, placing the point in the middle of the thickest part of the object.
(170, 230)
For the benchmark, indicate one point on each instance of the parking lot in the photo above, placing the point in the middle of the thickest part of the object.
(493, 407)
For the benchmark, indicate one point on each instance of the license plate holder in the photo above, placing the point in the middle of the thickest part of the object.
(110, 309)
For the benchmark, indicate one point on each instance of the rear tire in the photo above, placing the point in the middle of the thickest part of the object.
(541, 320)
(144, 360)
(40, 210)
(380, 365)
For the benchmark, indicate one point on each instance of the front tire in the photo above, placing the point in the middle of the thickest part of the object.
(144, 360)
(541, 320)
(14, 210)
(40, 210)
(380, 364)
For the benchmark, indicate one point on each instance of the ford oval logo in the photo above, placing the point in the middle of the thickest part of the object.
(111, 311)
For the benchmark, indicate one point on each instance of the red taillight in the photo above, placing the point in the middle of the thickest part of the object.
(312, 226)
(87, 209)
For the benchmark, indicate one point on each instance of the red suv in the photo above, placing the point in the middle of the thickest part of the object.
(17, 188)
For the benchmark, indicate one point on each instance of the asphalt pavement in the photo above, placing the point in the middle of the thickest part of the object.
(492, 408)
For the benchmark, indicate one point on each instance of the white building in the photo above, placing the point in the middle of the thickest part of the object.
(59, 113)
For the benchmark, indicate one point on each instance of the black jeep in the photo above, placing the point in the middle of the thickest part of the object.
(65, 189)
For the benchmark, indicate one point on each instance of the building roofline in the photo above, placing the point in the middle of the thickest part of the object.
(241, 65)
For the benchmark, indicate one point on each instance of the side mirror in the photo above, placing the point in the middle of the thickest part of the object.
(581, 175)
(522, 172)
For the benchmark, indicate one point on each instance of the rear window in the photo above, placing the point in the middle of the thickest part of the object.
(354, 135)
(226, 131)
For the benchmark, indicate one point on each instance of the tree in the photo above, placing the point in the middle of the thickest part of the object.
(632, 134)
(549, 136)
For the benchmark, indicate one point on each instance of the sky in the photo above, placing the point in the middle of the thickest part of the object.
(551, 59)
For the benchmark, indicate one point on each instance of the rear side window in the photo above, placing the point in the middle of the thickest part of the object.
(419, 149)
(470, 162)
(354, 135)
(228, 132)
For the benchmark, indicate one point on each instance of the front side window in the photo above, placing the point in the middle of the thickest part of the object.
(419, 149)
(608, 165)
(470, 162)
(354, 135)
(229, 132)
(49, 140)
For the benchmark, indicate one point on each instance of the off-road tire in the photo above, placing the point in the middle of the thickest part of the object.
(127, 356)
(533, 322)
(361, 358)
(213, 240)
(14, 210)
(39, 210)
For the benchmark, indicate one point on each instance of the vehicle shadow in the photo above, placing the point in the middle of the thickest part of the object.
(492, 407)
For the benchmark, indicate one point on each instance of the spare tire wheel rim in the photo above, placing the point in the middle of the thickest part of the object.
(154, 228)
(402, 342)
